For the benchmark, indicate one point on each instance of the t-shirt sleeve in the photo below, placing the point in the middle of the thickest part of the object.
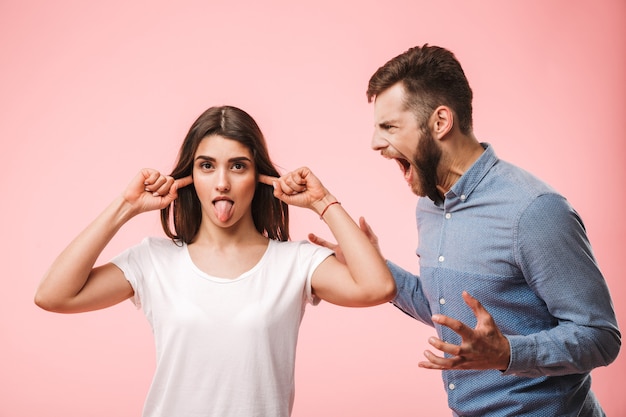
(130, 262)
(311, 256)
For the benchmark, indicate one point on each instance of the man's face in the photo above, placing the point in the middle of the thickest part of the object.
(399, 136)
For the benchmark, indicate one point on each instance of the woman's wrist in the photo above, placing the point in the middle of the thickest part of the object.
(326, 208)
(122, 210)
(322, 206)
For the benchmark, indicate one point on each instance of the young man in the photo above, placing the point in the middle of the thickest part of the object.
(507, 274)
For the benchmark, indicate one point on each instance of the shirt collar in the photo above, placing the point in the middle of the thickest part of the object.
(474, 175)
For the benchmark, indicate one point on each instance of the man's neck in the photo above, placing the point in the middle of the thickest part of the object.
(459, 154)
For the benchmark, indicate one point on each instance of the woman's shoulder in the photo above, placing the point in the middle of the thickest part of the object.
(301, 247)
(284, 245)
(160, 244)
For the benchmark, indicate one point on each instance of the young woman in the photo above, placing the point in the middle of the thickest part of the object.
(225, 294)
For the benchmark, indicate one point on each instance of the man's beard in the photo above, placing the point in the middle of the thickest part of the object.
(426, 161)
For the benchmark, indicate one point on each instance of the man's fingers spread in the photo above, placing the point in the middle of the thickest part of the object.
(317, 240)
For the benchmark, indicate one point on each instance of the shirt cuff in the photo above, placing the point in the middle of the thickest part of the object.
(523, 356)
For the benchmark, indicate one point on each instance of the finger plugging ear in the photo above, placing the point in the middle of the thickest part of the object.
(267, 180)
(158, 184)
(296, 183)
(285, 187)
(183, 182)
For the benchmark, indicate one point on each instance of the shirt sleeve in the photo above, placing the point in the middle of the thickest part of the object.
(409, 296)
(130, 262)
(311, 257)
(557, 262)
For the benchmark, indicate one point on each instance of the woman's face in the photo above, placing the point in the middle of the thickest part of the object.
(224, 175)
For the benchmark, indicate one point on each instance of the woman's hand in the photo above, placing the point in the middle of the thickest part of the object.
(151, 190)
(300, 188)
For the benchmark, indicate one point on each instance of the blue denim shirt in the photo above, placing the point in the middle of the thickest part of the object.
(517, 246)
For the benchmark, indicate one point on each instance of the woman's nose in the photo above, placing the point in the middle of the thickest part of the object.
(223, 183)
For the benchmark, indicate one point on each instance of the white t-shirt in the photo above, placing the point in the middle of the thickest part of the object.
(224, 347)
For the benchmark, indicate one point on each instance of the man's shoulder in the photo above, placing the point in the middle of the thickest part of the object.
(519, 180)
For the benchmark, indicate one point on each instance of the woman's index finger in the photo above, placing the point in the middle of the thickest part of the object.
(267, 179)
(185, 181)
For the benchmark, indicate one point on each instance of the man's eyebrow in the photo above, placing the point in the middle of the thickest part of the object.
(386, 122)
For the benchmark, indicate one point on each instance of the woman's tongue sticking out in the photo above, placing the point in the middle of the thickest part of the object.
(223, 209)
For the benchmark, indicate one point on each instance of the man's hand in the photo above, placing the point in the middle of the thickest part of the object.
(365, 227)
(483, 347)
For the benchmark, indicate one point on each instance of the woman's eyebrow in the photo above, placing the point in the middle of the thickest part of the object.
(233, 159)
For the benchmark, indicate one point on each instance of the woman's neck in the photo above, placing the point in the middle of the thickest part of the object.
(241, 234)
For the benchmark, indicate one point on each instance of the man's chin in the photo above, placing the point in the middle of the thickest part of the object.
(417, 190)
(420, 191)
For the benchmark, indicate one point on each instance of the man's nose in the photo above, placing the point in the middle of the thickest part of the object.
(378, 142)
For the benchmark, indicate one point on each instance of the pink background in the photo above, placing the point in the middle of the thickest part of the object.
(91, 92)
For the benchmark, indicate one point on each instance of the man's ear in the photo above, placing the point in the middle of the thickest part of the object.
(441, 121)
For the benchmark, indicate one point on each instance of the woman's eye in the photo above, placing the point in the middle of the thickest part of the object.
(206, 165)
(238, 166)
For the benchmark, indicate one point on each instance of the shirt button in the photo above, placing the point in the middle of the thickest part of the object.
(451, 386)
(442, 301)
(448, 215)
(463, 197)
(441, 258)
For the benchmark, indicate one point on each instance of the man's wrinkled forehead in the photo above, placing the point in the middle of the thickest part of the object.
(390, 105)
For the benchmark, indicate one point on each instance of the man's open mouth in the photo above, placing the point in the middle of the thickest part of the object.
(404, 165)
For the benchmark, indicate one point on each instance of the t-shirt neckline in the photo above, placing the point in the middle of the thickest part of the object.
(222, 280)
